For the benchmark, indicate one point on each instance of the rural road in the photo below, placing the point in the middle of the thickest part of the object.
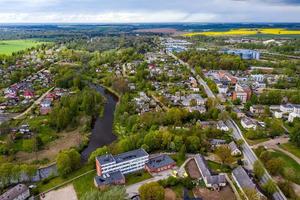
(38, 101)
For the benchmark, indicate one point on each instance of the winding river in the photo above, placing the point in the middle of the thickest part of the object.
(102, 132)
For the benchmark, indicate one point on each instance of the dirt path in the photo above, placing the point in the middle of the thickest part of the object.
(273, 144)
(66, 193)
(66, 140)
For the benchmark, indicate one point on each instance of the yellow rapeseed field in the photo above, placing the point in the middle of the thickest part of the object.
(274, 31)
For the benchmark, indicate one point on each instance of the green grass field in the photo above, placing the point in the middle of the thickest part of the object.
(291, 148)
(8, 47)
(288, 163)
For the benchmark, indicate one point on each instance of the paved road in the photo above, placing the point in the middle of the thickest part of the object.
(199, 79)
(237, 134)
(133, 190)
(250, 156)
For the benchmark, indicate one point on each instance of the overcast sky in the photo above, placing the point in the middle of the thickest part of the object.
(123, 11)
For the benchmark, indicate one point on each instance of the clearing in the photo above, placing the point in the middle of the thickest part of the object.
(291, 148)
(192, 169)
(8, 47)
(67, 192)
(66, 140)
(224, 194)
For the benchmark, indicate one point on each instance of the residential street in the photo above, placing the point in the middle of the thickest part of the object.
(237, 134)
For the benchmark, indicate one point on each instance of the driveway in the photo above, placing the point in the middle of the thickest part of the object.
(132, 190)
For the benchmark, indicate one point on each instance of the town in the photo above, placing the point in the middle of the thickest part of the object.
(161, 116)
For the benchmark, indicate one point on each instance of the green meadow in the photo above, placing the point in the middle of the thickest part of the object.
(7, 47)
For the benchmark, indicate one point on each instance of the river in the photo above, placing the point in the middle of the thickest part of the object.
(102, 131)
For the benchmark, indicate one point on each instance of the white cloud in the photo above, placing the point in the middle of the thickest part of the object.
(123, 11)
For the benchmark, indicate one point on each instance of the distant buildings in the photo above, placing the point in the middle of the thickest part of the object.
(242, 92)
(19, 192)
(292, 110)
(245, 54)
(210, 180)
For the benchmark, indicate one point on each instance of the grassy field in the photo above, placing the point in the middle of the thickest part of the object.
(291, 148)
(46, 185)
(237, 32)
(7, 47)
(288, 163)
(137, 177)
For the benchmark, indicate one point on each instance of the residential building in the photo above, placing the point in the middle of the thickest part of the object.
(200, 109)
(248, 123)
(125, 163)
(19, 192)
(186, 101)
(257, 109)
(234, 149)
(243, 180)
(217, 142)
(160, 163)
(242, 92)
(210, 180)
(222, 126)
(286, 108)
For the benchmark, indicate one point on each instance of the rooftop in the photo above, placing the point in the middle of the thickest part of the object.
(211, 179)
(109, 178)
(242, 178)
(14, 192)
(160, 161)
(130, 155)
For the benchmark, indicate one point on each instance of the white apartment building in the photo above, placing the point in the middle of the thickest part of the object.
(127, 162)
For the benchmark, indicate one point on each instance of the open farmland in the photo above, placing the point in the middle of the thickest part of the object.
(7, 47)
(237, 32)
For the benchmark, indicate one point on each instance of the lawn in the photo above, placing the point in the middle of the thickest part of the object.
(137, 177)
(7, 47)
(84, 184)
(236, 32)
(46, 185)
(288, 163)
(291, 148)
(216, 167)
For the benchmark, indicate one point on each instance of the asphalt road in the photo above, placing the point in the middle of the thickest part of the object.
(237, 134)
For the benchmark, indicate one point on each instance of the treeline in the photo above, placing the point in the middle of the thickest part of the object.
(276, 97)
(72, 109)
(212, 60)
(13, 172)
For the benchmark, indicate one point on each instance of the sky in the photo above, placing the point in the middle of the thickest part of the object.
(138, 11)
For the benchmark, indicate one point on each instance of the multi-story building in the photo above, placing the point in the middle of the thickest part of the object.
(245, 54)
(127, 162)
(241, 92)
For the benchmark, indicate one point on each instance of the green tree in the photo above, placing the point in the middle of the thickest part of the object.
(251, 194)
(224, 154)
(258, 169)
(152, 191)
(98, 152)
(64, 164)
(275, 166)
(269, 187)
